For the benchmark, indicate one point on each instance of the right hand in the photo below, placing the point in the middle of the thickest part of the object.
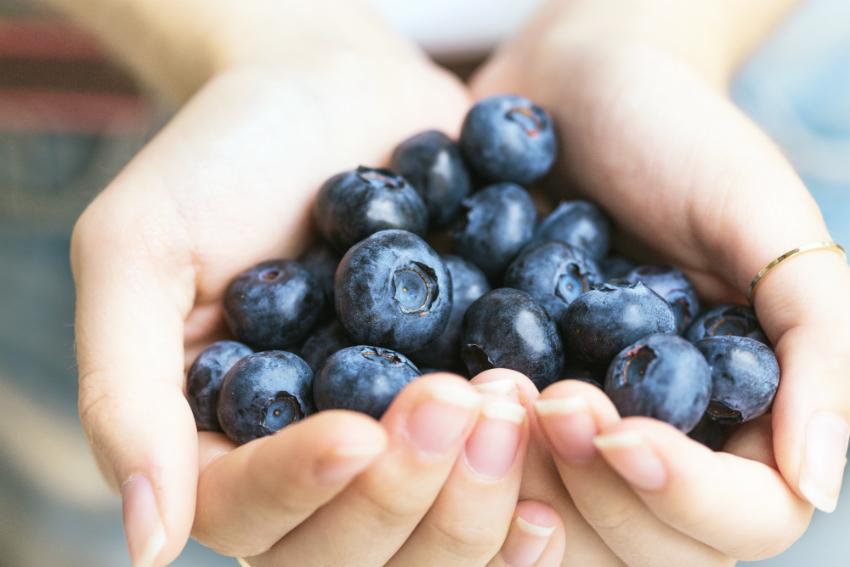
(228, 183)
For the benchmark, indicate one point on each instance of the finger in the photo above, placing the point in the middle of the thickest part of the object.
(252, 496)
(470, 518)
(536, 538)
(571, 414)
(754, 441)
(132, 296)
(540, 479)
(427, 425)
(741, 507)
(805, 307)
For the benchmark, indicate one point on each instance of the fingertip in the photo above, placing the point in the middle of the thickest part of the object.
(535, 533)
(538, 513)
(603, 411)
(491, 381)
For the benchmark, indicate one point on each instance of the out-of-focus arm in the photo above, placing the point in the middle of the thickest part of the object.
(176, 45)
(713, 35)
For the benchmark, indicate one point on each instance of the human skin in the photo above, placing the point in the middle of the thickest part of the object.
(276, 111)
(227, 183)
(649, 132)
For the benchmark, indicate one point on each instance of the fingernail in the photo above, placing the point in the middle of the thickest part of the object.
(343, 463)
(569, 426)
(525, 543)
(504, 387)
(142, 524)
(824, 459)
(492, 447)
(633, 459)
(441, 420)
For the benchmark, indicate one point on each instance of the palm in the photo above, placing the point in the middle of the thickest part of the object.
(237, 169)
(666, 155)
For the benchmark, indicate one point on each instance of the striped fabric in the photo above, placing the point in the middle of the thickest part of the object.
(69, 119)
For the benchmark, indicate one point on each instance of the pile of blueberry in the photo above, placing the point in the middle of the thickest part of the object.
(540, 297)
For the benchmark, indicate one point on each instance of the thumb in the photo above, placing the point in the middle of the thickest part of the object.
(129, 333)
(805, 309)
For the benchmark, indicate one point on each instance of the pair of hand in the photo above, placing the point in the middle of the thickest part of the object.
(229, 182)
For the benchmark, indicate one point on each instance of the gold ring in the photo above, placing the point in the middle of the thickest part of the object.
(810, 247)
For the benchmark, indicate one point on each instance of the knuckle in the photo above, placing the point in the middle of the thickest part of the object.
(466, 540)
(92, 400)
(613, 517)
(387, 507)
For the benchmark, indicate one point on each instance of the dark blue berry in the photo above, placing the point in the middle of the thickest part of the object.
(609, 317)
(468, 284)
(203, 382)
(674, 286)
(355, 204)
(726, 320)
(263, 393)
(745, 376)
(431, 162)
(509, 138)
(363, 378)
(576, 369)
(506, 328)
(711, 433)
(394, 291)
(275, 304)
(321, 261)
(323, 343)
(495, 224)
(660, 376)
(615, 267)
(554, 274)
(578, 223)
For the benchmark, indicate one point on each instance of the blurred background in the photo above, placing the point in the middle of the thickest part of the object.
(69, 120)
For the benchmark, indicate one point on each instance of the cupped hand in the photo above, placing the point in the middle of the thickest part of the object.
(227, 183)
(689, 180)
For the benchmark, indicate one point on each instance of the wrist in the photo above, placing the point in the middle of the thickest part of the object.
(175, 47)
(710, 36)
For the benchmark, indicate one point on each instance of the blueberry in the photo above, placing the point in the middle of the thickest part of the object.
(611, 316)
(363, 378)
(506, 328)
(575, 369)
(203, 382)
(468, 284)
(432, 163)
(321, 261)
(494, 226)
(711, 433)
(744, 374)
(263, 393)
(578, 223)
(394, 291)
(509, 138)
(660, 376)
(355, 204)
(275, 304)
(674, 286)
(615, 267)
(323, 343)
(554, 274)
(726, 320)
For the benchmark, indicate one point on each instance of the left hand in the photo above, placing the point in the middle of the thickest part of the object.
(639, 125)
